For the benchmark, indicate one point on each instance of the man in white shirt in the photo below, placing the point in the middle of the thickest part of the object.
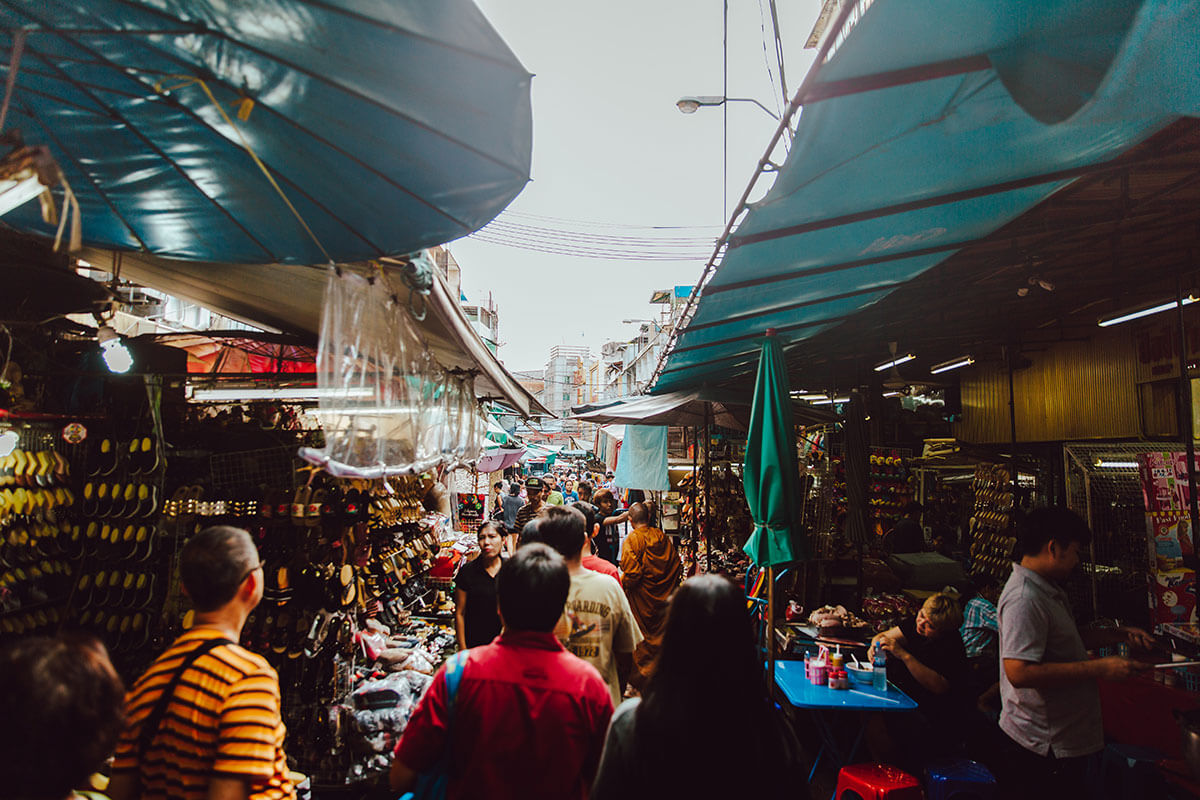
(597, 625)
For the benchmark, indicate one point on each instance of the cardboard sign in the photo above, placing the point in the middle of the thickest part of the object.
(1169, 536)
(1174, 596)
(1164, 481)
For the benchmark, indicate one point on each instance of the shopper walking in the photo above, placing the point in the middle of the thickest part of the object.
(1050, 711)
(600, 626)
(669, 745)
(608, 540)
(511, 505)
(553, 496)
(651, 570)
(63, 710)
(497, 500)
(533, 504)
(476, 621)
(528, 718)
(224, 737)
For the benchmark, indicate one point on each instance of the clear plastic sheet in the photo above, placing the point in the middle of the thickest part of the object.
(386, 405)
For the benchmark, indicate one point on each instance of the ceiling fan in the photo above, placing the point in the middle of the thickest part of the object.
(898, 383)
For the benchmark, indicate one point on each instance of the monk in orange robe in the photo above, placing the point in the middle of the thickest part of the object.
(651, 570)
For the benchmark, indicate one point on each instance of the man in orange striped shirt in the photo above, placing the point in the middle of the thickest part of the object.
(217, 733)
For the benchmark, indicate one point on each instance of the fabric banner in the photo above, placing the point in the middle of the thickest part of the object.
(643, 460)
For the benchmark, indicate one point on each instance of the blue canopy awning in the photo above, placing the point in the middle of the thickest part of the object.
(389, 126)
(925, 128)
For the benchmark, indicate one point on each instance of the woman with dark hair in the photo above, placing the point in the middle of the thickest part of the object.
(63, 711)
(475, 619)
(676, 741)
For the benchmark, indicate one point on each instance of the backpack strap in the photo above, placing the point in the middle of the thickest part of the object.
(152, 722)
(453, 676)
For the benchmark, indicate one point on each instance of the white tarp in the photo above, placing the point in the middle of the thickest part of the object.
(642, 462)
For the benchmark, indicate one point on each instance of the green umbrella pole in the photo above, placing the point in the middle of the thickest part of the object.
(770, 626)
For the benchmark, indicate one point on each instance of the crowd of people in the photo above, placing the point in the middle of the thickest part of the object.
(572, 681)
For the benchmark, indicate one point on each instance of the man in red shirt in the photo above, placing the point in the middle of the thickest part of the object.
(528, 719)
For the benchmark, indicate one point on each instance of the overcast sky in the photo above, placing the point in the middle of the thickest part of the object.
(609, 146)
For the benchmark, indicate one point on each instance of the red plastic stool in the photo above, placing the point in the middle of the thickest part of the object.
(876, 782)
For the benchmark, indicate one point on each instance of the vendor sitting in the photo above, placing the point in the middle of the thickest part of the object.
(927, 661)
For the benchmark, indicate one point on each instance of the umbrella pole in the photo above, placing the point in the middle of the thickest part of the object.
(770, 628)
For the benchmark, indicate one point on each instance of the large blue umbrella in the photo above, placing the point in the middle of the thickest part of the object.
(385, 127)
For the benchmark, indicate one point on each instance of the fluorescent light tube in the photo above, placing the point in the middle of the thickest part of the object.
(954, 363)
(827, 401)
(1102, 464)
(894, 362)
(293, 393)
(1126, 316)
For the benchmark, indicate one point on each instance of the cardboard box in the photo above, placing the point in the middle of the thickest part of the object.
(1173, 595)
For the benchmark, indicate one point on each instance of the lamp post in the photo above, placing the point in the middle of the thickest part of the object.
(691, 104)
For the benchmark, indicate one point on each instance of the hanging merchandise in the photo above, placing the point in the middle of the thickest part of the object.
(992, 538)
(386, 405)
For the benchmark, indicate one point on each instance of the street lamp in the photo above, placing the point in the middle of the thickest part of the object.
(690, 105)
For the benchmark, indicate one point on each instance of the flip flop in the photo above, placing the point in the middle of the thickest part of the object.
(312, 514)
(300, 505)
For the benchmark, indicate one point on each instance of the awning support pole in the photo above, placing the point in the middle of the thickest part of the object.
(1186, 421)
(708, 543)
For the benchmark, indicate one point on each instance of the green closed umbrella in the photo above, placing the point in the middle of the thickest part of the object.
(772, 480)
(770, 473)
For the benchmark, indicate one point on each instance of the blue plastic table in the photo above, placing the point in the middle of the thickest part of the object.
(801, 693)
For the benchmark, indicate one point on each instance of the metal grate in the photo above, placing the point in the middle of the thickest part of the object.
(272, 467)
(1114, 579)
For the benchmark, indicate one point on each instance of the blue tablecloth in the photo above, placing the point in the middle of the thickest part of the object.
(801, 693)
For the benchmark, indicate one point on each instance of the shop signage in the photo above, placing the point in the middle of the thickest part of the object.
(1157, 345)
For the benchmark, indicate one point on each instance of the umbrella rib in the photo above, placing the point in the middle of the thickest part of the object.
(98, 112)
(340, 87)
(95, 186)
(312, 135)
(378, 23)
(26, 71)
(146, 140)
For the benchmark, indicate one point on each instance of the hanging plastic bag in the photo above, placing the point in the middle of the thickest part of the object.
(364, 359)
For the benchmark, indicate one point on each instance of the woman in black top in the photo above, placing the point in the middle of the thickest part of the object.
(476, 620)
(926, 661)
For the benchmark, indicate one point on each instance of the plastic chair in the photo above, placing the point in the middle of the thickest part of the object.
(960, 779)
(876, 782)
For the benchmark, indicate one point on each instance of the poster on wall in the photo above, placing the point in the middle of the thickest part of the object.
(1164, 478)
(1164, 481)
(1169, 535)
(470, 511)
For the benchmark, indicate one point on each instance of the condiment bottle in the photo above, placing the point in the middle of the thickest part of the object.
(836, 659)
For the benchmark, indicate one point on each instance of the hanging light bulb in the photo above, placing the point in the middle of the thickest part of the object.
(114, 352)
